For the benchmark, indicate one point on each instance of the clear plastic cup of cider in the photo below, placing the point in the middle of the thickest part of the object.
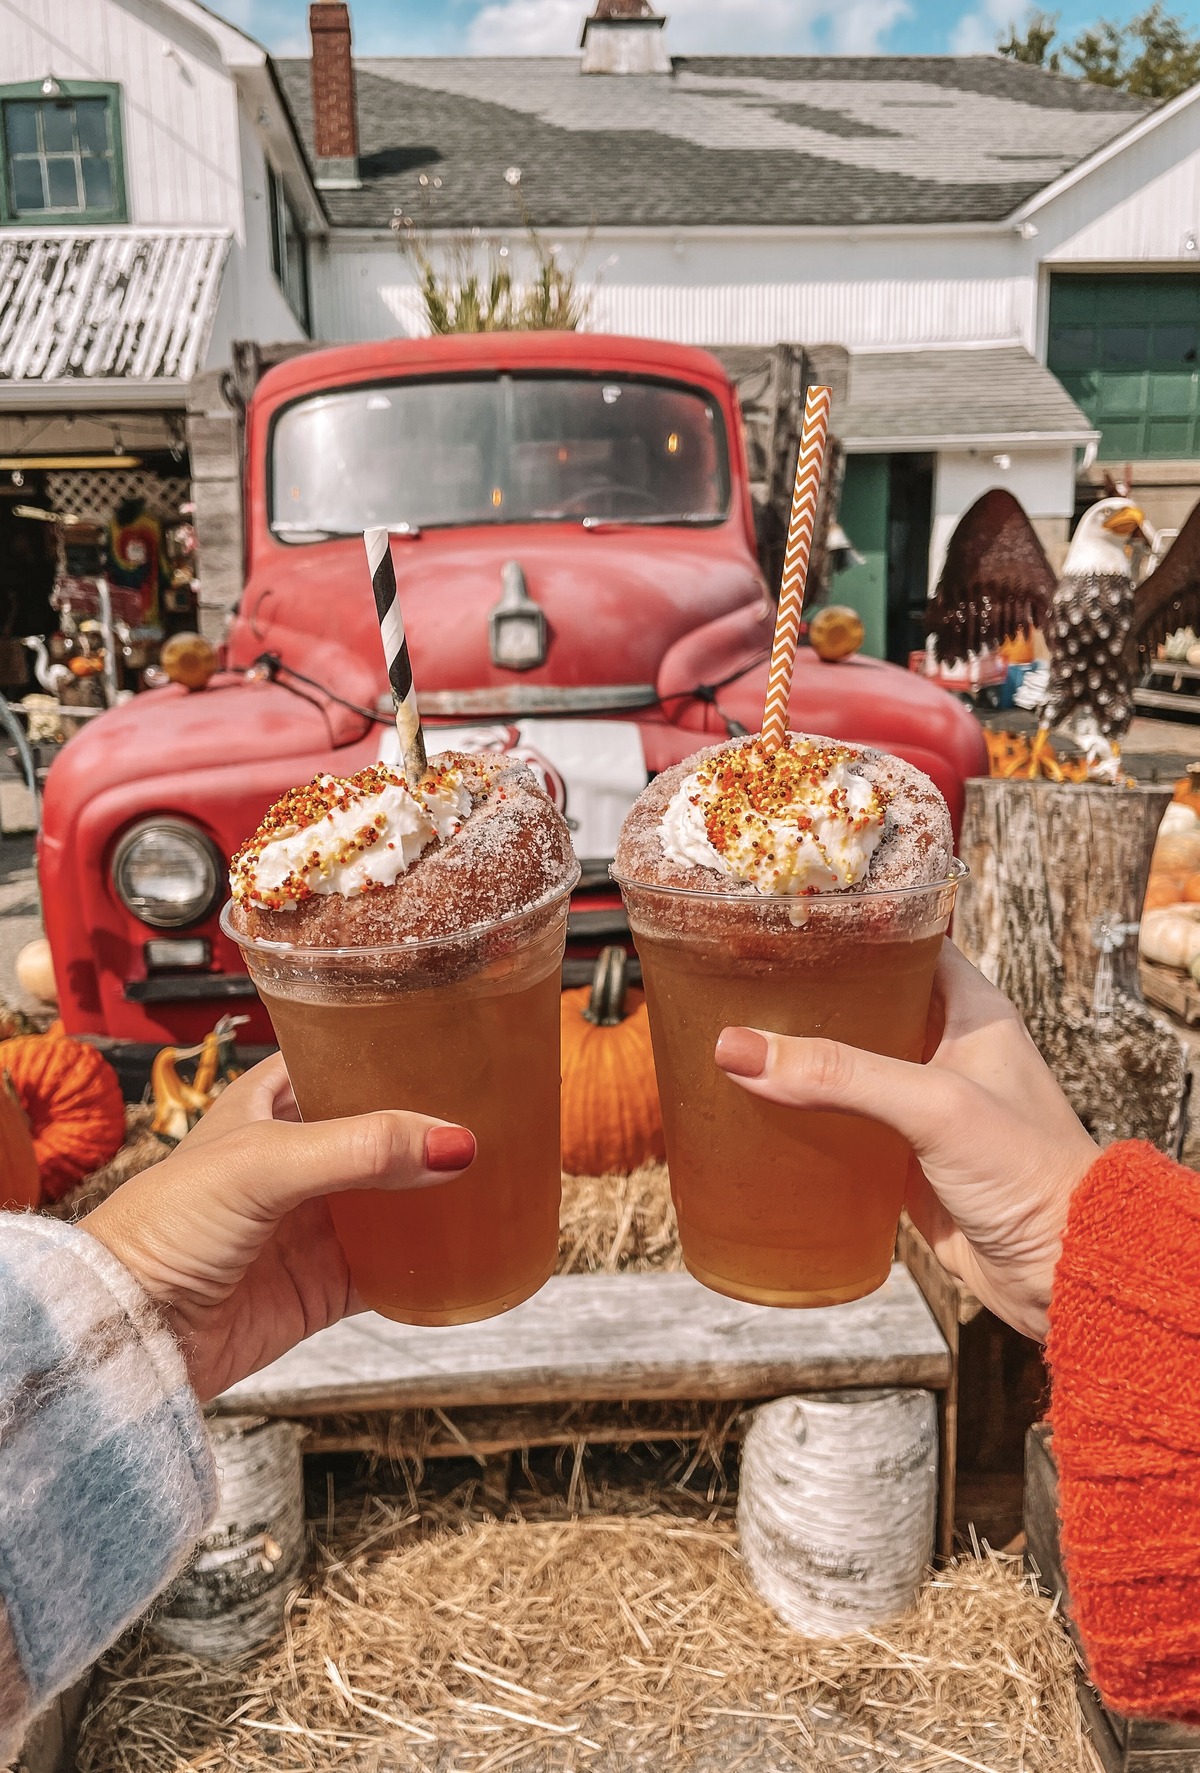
(464, 1027)
(784, 1206)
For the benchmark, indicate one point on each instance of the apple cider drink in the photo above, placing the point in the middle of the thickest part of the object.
(804, 891)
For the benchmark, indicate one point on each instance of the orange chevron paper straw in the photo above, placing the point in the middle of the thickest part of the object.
(795, 565)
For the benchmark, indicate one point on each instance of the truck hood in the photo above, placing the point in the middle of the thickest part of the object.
(162, 732)
(614, 599)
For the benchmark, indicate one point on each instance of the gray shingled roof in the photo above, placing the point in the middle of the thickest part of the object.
(931, 399)
(724, 140)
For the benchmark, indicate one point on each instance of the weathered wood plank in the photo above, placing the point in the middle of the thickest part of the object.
(1171, 990)
(50, 1744)
(952, 1306)
(598, 1336)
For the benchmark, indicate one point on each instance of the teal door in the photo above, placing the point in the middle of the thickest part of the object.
(886, 512)
(864, 517)
(1126, 348)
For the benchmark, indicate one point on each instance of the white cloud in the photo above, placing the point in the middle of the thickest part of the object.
(860, 27)
(272, 22)
(976, 32)
(526, 27)
(752, 27)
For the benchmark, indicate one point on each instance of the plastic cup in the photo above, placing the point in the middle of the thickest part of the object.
(463, 1027)
(783, 1206)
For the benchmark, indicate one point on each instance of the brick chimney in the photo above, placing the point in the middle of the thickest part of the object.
(335, 113)
(624, 37)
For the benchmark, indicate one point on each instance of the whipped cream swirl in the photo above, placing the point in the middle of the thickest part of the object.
(346, 835)
(796, 820)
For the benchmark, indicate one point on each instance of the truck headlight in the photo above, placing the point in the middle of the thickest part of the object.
(167, 873)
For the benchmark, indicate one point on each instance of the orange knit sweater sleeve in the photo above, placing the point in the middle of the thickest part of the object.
(1124, 1353)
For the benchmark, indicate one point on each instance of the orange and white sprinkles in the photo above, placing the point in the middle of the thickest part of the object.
(796, 820)
(346, 834)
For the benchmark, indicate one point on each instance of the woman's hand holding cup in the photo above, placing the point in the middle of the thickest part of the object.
(231, 1235)
(998, 1147)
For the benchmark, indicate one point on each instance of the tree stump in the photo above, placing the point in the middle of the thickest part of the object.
(1049, 914)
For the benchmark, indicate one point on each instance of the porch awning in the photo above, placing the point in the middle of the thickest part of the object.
(114, 305)
(989, 398)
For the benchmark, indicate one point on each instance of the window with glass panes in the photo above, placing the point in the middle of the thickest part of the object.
(289, 248)
(1127, 349)
(62, 154)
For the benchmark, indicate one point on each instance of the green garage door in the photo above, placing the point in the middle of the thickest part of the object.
(1127, 349)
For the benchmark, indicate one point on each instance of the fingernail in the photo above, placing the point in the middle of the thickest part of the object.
(742, 1052)
(449, 1148)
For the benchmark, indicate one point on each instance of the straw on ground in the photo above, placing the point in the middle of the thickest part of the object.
(605, 1642)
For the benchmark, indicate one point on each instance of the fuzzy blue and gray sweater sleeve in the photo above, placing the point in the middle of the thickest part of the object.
(106, 1476)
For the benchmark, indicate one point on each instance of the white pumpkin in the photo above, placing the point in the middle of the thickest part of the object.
(1171, 936)
(35, 971)
(1177, 819)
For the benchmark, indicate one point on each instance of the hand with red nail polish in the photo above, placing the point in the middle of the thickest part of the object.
(998, 1149)
(231, 1234)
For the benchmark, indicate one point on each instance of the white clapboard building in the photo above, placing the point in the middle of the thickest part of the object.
(1011, 258)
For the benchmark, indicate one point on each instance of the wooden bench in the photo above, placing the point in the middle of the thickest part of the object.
(642, 1350)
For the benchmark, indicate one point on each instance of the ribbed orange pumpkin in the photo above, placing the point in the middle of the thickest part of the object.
(72, 1100)
(611, 1120)
(19, 1184)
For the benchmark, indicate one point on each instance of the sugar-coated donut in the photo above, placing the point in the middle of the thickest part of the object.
(916, 849)
(512, 851)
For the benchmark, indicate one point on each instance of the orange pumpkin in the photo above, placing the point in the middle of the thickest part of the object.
(1164, 889)
(1191, 890)
(73, 1103)
(19, 1183)
(188, 659)
(1187, 789)
(1177, 852)
(611, 1120)
(835, 632)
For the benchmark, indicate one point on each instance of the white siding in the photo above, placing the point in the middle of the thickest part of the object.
(263, 310)
(869, 292)
(1136, 209)
(179, 110)
(192, 156)
(1042, 479)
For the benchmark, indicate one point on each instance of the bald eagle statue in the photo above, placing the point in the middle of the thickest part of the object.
(1167, 598)
(995, 584)
(997, 581)
(1089, 627)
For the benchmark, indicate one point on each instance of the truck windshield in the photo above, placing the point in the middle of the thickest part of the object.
(505, 449)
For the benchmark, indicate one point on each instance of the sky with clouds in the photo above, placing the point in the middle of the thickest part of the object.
(762, 27)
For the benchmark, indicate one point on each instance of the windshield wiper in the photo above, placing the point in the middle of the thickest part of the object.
(652, 522)
(312, 533)
(304, 529)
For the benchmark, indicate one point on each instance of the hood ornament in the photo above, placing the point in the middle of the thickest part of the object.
(517, 624)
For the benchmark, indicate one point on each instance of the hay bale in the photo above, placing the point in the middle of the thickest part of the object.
(618, 1224)
(437, 1639)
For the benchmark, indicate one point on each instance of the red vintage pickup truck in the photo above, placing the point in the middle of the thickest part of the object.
(575, 549)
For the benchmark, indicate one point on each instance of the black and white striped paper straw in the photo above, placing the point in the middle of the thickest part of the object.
(395, 652)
